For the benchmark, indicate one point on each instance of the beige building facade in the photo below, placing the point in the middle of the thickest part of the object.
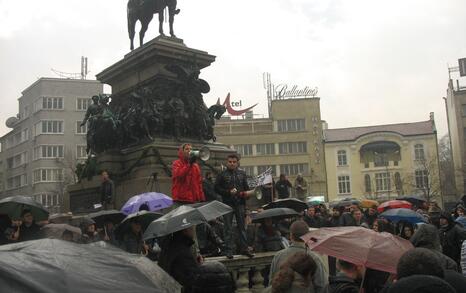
(383, 162)
(40, 153)
(289, 141)
(455, 104)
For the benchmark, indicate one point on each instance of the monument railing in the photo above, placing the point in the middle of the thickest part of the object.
(240, 266)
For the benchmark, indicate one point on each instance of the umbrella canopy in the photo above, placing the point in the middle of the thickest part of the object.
(143, 217)
(51, 265)
(368, 203)
(413, 199)
(179, 219)
(212, 209)
(276, 213)
(344, 203)
(358, 245)
(60, 218)
(153, 200)
(291, 203)
(13, 207)
(56, 231)
(103, 216)
(406, 215)
(393, 204)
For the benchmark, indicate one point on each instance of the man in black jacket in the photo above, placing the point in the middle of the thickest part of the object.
(452, 236)
(232, 185)
(176, 258)
(107, 192)
(283, 186)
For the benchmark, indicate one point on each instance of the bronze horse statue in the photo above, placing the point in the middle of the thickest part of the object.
(144, 10)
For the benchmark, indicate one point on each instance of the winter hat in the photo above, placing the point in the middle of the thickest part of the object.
(421, 284)
(446, 216)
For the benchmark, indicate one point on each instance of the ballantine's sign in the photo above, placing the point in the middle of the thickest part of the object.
(281, 91)
(228, 104)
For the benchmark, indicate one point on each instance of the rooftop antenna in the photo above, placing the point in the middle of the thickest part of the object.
(267, 83)
(81, 75)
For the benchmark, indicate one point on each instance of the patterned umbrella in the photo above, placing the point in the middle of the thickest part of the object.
(154, 201)
(393, 204)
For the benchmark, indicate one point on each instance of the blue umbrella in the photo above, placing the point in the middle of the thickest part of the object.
(151, 201)
(406, 215)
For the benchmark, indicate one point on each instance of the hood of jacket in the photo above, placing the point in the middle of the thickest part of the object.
(427, 237)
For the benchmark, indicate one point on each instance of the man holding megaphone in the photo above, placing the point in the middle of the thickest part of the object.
(186, 176)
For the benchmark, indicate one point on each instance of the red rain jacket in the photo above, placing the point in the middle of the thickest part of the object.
(186, 181)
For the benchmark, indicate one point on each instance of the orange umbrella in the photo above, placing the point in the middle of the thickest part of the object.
(368, 203)
(358, 245)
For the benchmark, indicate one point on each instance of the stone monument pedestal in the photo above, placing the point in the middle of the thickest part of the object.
(156, 73)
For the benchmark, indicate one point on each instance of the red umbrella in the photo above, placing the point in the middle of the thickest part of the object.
(361, 246)
(394, 204)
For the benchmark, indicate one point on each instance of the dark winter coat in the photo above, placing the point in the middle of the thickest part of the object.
(342, 284)
(214, 277)
(229, 179)
(186, 180)
(283, 188)
(332, 222)
(427, 236)
(314, 222)
(132, 243)
(107, 191)
(451, 239)
(347, 220)
(32, 232)
(177, 260)
(271, 241)
(209, 190)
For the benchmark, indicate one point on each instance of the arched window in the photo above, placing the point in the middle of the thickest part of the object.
(367, 183)
(398, 184)
(342, 160)
(419, 152)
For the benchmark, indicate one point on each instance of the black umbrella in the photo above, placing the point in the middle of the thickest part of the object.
(51, 265)
(176, 220)
(276, 213)
(143, 217)
(413, 199)
(103, 216)
(212, 209)
(291, 203)
(344, 203)
(13, 207)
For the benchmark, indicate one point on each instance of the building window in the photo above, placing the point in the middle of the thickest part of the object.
(82, 103)
(48, 200)
(17, 160)
(243, 149)
(419, 152)
(263, 168)
(382, 181)
(249, 170)
(17, 181)
(380, 160)
(368, 183)
(52, 103)
(265, 149)
(344, 185)
(422, 179)
(292, 147)
(49, 127)
(294, 169)
(81, 129)
(81, 152)
(48, 175)
(398, 183)
(17, 138)
(342, 160)
(48, 152)
(291, 125)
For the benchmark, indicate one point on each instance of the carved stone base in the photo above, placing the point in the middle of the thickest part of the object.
(139, 169)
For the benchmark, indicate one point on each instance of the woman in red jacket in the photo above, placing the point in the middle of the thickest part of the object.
(186, 178)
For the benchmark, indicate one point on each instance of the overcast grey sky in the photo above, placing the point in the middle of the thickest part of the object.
(374, 62)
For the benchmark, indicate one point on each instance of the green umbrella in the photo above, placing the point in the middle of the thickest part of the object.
(14, 206)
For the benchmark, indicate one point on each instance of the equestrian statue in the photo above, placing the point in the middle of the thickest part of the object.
(144, 10)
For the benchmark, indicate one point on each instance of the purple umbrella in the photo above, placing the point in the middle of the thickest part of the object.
(151, 201)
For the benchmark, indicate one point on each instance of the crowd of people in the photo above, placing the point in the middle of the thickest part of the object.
(435, 264)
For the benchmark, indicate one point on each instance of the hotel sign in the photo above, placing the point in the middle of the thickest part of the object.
(283, 91)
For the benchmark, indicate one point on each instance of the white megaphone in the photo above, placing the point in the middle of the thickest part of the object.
(203, 153)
